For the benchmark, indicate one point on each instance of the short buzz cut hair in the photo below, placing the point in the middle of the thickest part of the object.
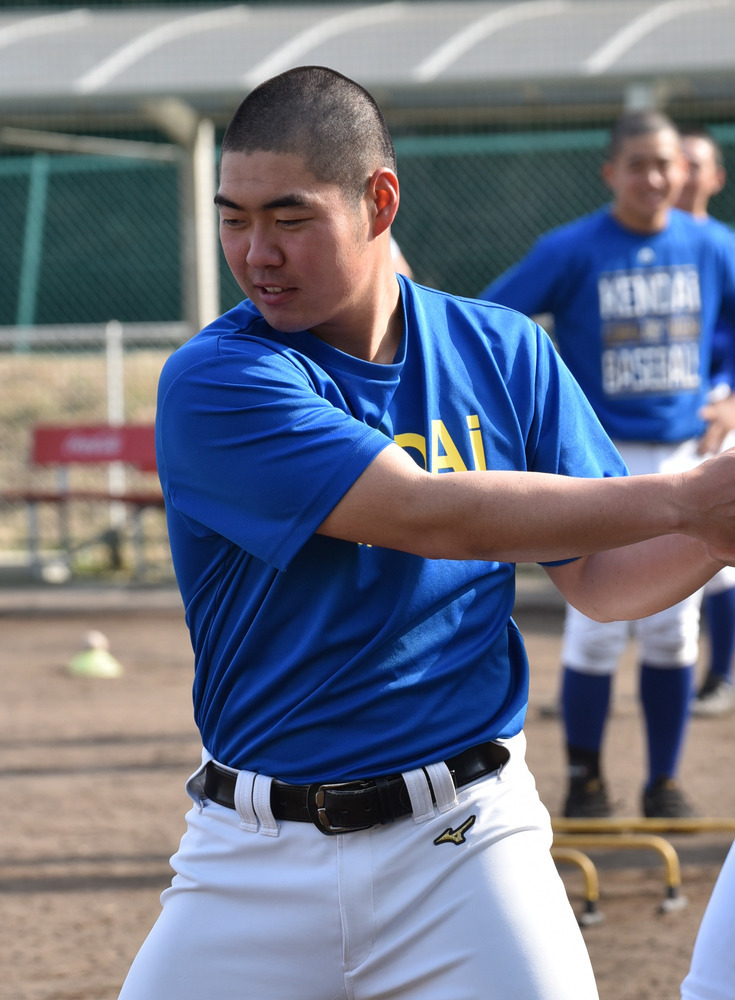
(635, 123)
(316, 113)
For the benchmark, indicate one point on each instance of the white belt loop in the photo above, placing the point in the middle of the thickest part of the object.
(244, 801)
(420, 795)
(445, 793)
(195, 781)
(262, 805)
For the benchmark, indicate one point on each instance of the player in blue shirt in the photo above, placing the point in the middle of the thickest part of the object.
(352, 465)
(706, 177)
(635, 290)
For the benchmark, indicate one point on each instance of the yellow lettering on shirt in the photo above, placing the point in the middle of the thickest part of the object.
(445, 455)
(478, 450)
(450, 457)
(412, 442)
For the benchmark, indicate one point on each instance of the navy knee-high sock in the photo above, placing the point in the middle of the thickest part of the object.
(719, 610)
(665, 696)
(585, 703)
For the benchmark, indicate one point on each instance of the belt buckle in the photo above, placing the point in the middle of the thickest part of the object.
(322, 820)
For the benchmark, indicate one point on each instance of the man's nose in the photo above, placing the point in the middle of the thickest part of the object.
(655, 177)
(263, 250)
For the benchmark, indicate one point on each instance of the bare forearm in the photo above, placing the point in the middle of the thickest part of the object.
(527, 516)
(636, 580)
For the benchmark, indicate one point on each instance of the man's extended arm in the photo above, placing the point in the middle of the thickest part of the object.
(537, 517)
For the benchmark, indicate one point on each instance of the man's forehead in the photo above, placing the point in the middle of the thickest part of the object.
(664, 143)
(260, 162)
(275, 175)
(698, 148)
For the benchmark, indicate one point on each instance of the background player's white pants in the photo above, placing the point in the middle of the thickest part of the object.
(712, 972)
(287, 913)
(670, 638)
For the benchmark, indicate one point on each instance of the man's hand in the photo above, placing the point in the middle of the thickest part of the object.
(720, 418)
(707, 504)
(636, 580)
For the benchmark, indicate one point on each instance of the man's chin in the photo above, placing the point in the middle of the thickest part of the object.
(281, 323)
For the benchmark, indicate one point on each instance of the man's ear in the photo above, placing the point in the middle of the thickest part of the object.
(383, 198)
(721, 179)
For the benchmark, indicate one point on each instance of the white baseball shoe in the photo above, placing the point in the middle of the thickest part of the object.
(716, 697)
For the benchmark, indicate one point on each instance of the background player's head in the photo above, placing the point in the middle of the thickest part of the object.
(645, 169)
(316, 113)
(706, 165)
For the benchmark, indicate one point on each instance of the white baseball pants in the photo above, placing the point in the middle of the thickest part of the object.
(712, 972)
(280, 911)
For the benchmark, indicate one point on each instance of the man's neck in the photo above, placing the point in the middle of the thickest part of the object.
(376, 332)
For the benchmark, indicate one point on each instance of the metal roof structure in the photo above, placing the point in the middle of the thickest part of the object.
(87, 64)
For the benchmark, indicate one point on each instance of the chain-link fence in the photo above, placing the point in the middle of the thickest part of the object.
(97, 236)
(87, 240)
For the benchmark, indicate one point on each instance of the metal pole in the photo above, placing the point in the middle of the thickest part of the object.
(206, 234)
(30, 268)
(115, 412)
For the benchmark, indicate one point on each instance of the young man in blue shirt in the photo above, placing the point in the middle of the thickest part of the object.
(352, 465)
(635, 290)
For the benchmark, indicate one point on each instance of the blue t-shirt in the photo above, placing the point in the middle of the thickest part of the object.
(321, 659)
(634, 315)
(722, 368)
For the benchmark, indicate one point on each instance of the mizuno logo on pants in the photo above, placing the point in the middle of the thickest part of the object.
(457, 836)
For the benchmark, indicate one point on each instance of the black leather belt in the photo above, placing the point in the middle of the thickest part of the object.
(345, 806)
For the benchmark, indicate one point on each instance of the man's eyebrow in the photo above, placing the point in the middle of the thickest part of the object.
(219, 199)
(287, 201)
(284, 201)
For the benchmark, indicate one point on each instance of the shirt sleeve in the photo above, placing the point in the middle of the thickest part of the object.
(253, 452)
(547, 278)
(566, 436)
(531, 285)
(724, 334)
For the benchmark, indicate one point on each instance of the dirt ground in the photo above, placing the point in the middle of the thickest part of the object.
(93, 801)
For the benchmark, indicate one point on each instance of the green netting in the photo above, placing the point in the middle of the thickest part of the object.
(88, 239)
(472, 205)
